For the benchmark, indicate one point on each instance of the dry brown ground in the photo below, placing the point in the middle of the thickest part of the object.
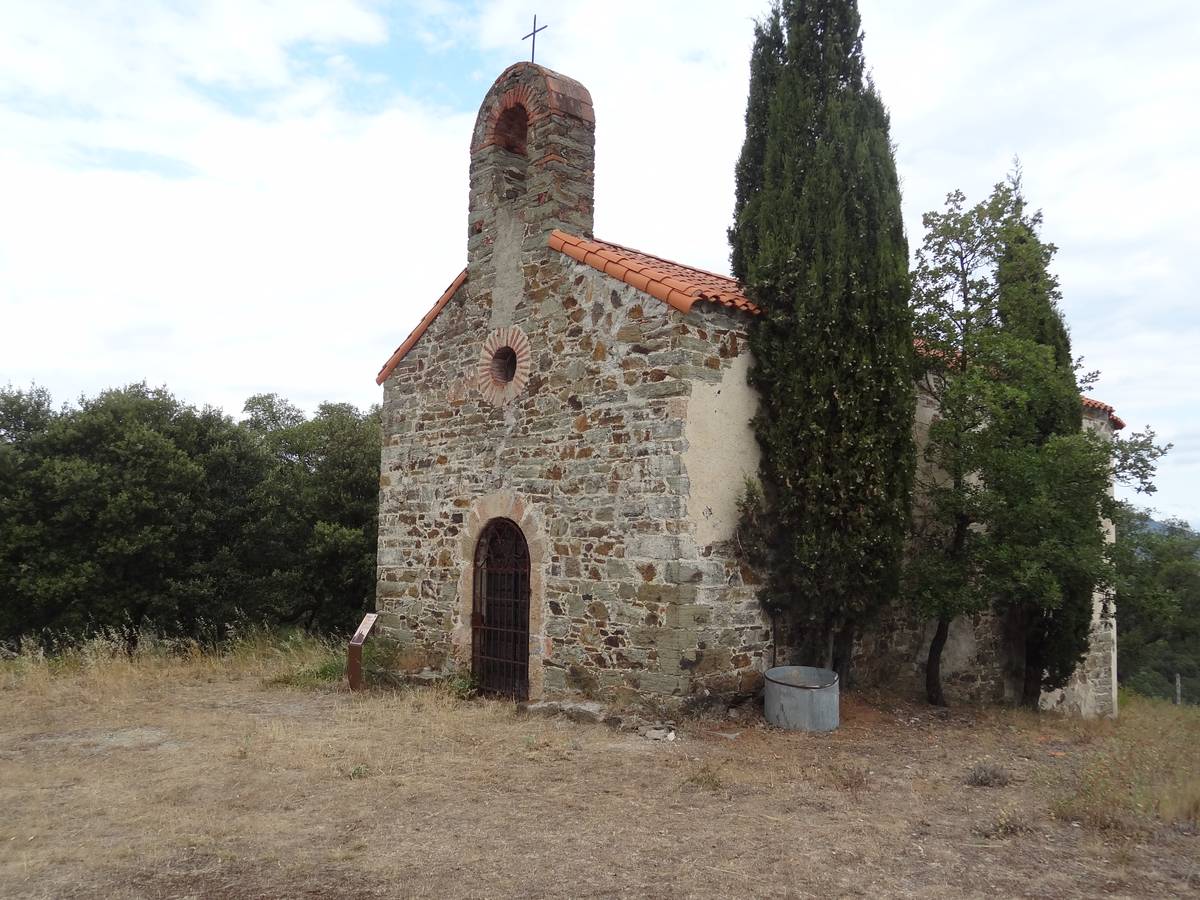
(198, 778)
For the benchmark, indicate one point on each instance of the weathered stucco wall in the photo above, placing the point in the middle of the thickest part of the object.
(722, 451)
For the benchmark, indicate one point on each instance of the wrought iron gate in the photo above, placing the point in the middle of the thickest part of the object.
(500, 611)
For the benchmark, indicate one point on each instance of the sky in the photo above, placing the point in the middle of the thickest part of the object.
(231, 197)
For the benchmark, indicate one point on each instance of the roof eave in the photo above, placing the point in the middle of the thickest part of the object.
(416, 334)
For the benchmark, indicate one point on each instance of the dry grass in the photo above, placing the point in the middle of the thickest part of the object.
(849, 777)
(986, 774)
(1142, 775)
(1008, 823)
(706, 776)
(179, 773)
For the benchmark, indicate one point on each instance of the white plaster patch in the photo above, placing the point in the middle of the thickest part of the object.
(506, 257)
(721, 450)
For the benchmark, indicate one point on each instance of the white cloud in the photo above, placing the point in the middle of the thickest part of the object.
(285, 262)
(194, 194)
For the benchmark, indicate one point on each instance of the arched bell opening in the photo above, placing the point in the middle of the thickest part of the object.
(512, 129)
(500, 611)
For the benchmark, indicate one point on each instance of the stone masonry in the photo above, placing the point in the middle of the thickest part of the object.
(588, 457)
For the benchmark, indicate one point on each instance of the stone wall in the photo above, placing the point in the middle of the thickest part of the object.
(590, 455)
(1092, 690)
(981, 663)
(585, 448)
(976, 662)
(621, 459)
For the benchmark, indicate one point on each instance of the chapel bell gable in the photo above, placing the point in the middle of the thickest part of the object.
(532, 164)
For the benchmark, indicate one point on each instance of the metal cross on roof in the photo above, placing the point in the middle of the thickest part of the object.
(533, 34)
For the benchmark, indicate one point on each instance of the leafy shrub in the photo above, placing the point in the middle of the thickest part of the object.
(462, 685)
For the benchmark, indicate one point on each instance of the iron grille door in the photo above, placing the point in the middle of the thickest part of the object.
(500, 613)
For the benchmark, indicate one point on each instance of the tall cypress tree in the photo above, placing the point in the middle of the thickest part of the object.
(1028, 299)
(1055, 636)
(766, 61)
(819, 243)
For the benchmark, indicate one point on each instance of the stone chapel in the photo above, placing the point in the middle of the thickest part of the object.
(565, 436)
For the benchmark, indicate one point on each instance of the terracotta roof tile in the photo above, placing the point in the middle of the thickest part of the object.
(411, 340)
(676, 285)
(1091, 403)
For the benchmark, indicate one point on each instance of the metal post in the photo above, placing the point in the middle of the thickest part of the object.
(1178, 690)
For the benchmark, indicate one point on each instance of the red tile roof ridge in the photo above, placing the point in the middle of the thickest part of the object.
(676, 284)
(733, 281)
(1089, 402)
(668, 286)
(416, 334)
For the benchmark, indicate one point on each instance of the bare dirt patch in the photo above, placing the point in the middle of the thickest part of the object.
(200, 779)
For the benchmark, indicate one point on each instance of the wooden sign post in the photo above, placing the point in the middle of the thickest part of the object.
(354, 653)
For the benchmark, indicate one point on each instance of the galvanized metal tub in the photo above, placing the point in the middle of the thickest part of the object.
(802, 698)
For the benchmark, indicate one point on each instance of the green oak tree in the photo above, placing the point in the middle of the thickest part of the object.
(1158, 605)
(127, 510)
(956, 327)
(135, 510)
(1011, 491)
(322, 496)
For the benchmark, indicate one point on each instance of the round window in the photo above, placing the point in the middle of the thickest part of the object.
(504, 365)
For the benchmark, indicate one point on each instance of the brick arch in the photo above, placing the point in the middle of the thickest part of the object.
(515, 101)
(543, 95)
(504, 505)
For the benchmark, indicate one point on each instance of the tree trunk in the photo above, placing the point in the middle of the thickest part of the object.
(843, 649)
(1031, 690)
(933, 666)
(812, 649)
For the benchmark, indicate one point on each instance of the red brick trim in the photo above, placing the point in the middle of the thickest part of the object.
(551, 95)
(411, 340)
(516, 96)
(495, 391)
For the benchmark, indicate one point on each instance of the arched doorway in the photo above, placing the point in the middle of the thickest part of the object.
(500, 611)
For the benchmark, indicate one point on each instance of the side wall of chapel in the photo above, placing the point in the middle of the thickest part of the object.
(981, 661)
